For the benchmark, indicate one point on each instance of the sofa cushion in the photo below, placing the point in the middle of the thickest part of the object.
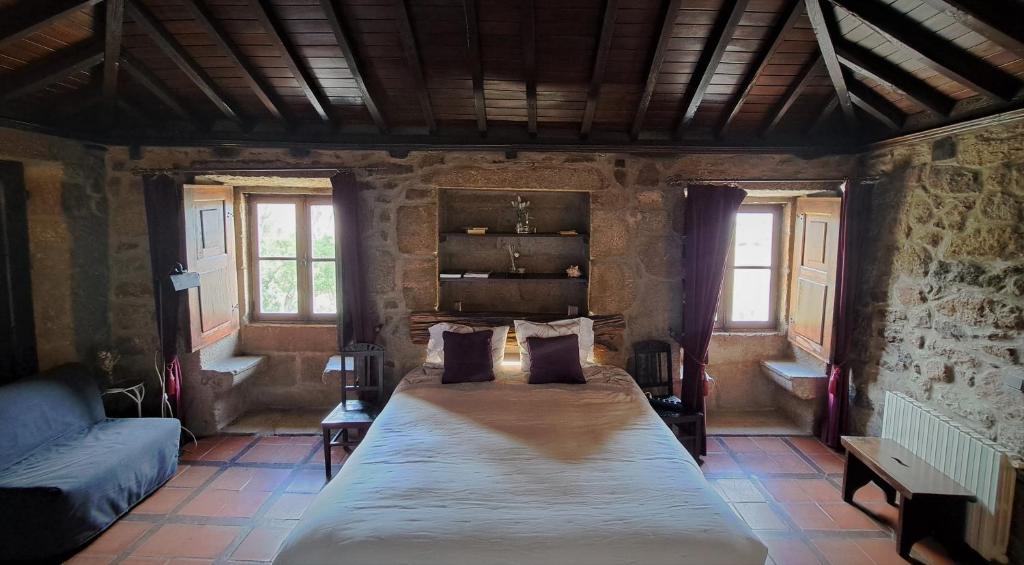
(67, 491)
(37, 410)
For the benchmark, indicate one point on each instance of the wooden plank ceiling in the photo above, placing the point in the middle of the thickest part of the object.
(714, 72)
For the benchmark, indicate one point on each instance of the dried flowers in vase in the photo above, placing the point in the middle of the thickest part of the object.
(522, 209)
(106, 361)
(574, 272)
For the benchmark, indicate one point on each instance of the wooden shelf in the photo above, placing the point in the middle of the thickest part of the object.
(507, 277)
(491, 235)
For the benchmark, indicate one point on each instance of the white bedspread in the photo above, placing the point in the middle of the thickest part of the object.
(510, 473)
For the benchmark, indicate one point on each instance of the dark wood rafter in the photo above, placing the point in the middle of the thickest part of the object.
(988, 19)
(945, 57)
(263, 92)
(29, 17)
(823, 115)
(112, 34)
(166, 42)
(792, 93)
(709, 60)
(476, 69)
(528, 32)
(412, 56)
(825, 32)
(307, 83)
(138, 71)
(867, 63)
(792, 15)
(51, 69)
(604, 44)
(876, 105)
(668, 21)
(354, 64)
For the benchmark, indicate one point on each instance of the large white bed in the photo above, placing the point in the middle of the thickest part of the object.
(505, 472)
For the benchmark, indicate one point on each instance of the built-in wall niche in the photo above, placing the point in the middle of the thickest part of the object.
(543, 254)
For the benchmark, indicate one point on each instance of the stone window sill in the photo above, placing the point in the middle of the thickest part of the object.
(287, 324)
(749, 333)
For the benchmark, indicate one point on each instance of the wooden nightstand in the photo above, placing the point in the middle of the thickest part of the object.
(688, 428)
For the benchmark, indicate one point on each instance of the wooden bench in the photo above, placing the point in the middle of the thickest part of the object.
(929, 500)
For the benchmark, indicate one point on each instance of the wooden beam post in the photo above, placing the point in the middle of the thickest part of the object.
(789, 19)
(26, 18)
(51, 69)
(152, 83)
(604, 43)
(794, 92)
(877, 106)
(529, 35)
(112, 33)
(321, 104)
(939, 54)
(166, 42)
(475, 64)
(825, 32)
(263, 92)
(709, 60)
(668, 21)
(826, 111)
(412, 56)
(354, 64)
(866, 62)
(989, 19)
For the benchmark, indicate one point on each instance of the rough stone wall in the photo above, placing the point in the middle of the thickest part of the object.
(942, 296)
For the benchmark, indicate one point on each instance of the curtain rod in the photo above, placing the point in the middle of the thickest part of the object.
(758, 181)
(247, 170)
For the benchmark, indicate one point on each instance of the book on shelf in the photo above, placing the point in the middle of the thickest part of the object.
(568, 232)
(476, 231)
(476, 274)
(451, 274)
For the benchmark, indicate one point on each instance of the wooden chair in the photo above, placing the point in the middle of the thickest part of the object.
(360, 369)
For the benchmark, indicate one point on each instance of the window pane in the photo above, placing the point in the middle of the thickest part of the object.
(751, 295)
(279, 287)
(324, 289)
(754, 231)
(276, 229)
(321, 230)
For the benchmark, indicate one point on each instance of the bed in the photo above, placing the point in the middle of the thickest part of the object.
(504, 472)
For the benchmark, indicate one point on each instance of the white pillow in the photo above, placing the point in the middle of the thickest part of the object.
(582, 327)
(435, 346)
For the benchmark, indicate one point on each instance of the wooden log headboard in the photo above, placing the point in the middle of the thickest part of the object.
(607, 329)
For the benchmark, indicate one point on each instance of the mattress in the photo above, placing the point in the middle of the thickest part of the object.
(510, 473)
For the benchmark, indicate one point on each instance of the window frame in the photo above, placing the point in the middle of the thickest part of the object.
(723, 323)
(303, 257)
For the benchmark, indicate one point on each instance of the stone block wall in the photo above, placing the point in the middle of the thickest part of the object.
(941, 310)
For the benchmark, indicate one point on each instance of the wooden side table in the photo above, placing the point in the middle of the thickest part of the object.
(687, 427)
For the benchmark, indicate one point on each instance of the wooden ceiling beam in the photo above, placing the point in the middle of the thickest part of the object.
(176, 53)
(212, 27)
(27, 18)
(307, 83)
(867, 63)
(529, 34)
(51, 69)
(153, 84)
(826, 111)
(476, 68)
(604, 43)
(709, 60)
(794, 92)
(354, 64)
(936, 52)
(668, 21)
(112, 34)
(412, 55)
(989, 19)
(825, 32)
(789, 19)
(876, 105)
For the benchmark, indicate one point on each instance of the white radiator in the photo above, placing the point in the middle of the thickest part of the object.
(975, 462)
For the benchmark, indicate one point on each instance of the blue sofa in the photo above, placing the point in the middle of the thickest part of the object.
(67, 472)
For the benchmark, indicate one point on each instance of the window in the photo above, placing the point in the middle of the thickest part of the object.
(750, 287)
(292, 276)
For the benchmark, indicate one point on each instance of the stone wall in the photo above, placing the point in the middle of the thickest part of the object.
(942, 297)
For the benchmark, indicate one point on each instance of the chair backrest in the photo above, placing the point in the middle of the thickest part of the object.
(651, 366)
(362, 374)
(39, 409)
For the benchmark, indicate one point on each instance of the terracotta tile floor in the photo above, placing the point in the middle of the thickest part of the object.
(235, 498)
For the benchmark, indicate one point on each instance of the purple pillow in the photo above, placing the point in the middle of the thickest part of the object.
(555, 360)
(467, 357)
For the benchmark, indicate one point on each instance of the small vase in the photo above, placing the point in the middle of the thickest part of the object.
(523, 227)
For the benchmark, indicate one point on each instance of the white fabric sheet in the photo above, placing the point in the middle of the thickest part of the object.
(511, 473)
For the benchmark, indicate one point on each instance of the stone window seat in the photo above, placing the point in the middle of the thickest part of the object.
(802, 380)
(231, 372)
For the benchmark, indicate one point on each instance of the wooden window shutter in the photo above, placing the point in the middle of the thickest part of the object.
(813, 277)
(210, 251)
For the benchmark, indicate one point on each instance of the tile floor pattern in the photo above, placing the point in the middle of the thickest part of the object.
(235, 498)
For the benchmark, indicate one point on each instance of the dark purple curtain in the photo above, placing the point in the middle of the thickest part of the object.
(710, 217)
(354, 323)
(163, 220)
(856, 201)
